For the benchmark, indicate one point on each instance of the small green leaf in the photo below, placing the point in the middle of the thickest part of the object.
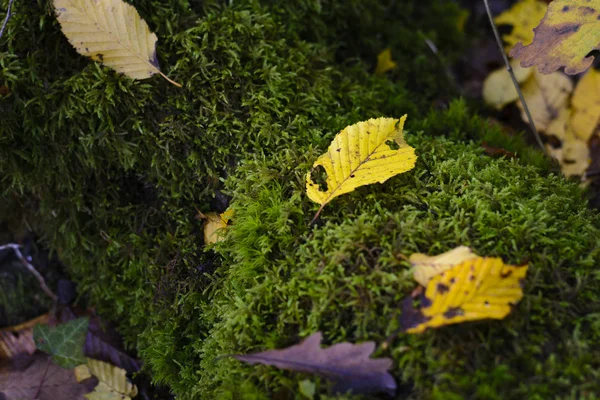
(64, 342)
(307, 389)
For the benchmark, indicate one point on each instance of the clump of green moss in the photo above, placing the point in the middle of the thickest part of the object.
(112, 172)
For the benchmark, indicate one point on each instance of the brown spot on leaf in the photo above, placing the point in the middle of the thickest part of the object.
(453, 312)
(506, 274)
(441, 288)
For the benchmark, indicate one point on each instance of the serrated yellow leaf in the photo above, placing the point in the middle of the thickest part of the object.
(361, 154)
(586, 105)
(111, 32)
(569, 31)
(113, 382)
(426, 267)
(523, 16)
(546, 96)
(384, 62)
(498, 87)
(477, 288)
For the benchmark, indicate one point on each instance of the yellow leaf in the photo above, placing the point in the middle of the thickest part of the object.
(384, 62)
(546, 96)
(523, 16)
(361, 154)
(426, 267)
(112, 32)
(82, 372)
(113, 384)
(214, 224)
(567, 33)
(498, 87)
(477, 288)
(586, 105)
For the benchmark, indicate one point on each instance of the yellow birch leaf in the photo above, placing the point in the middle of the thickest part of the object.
(361, 154)
(575, 155)
(384, 62)
(546, 96)
(498, 87)
(567, 33)
(214, 224)
(111, 32)
(586, 105)
(426, 267)
(477, 288)
(523, 16)
(113, 382)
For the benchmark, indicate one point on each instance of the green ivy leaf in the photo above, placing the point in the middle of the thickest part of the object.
(64, 343)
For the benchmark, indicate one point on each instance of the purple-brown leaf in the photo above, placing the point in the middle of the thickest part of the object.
(347, 365)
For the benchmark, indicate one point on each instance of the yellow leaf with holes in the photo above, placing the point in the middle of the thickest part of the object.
(361, 154)
(523, 16)
(214, 225)
(573, 155)
(426, 267)
(111, 32)
(477, 288)
(586, 105)
(112, 381)
(546, 96)
(384, 62)
(569, 31)
(498, 87)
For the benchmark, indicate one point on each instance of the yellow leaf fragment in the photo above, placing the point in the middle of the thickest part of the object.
(384, 62)
(361, 154)
(523, 16)
(214, 226)
(586, 105)
(567, 33)
(498, 87)
(477, 288)
(426, 267)
(111, 32)
(113, 383)
(82, 372)
(546, 96)
(573, 156)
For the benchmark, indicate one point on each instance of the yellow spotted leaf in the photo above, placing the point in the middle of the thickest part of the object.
(523, 16)
(498, 87)
(477, 288)
(567, 33)
(361, 154)
(384, 62)
(546, 96)
(426, 267)
(111, 32)
(586, 105)
(112, 381)
(574, 154)
(214, 225)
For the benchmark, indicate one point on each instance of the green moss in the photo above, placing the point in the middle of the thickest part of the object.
(112, 172)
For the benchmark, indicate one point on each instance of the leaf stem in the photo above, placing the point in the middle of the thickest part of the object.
(514, 79)
(39, 389)
(317, 214)
(169, 79)
(8, 15)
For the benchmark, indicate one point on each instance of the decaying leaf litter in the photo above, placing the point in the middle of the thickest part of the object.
(455, 287)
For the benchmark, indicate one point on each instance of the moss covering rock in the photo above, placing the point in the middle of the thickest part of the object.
(112, 173)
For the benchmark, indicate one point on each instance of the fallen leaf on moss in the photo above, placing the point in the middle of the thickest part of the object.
(586, 105)
(498, 88)
(477, 288)
(347, 365)
(546, 96)
(20, 381)
(361, 154)
(64, 343)
(112, 381)
(384, 62)
(111, 32)
(214, 225)
(523, 16)
(426, 267)
(569, 31)
(574, 154)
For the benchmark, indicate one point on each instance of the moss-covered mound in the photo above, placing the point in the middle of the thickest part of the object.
(112, 172)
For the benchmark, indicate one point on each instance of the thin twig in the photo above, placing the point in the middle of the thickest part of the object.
(39, 389)
(514, 79)
(8, 15)
(31, 268)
